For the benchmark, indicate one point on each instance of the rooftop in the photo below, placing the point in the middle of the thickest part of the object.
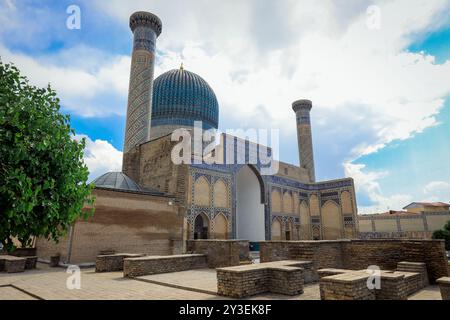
(119, 181)
(427, 204)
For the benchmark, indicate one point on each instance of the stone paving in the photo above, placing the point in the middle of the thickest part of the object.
(50, 284)
(200, 280)
(11, 293)
(428, 293)
(204, 280)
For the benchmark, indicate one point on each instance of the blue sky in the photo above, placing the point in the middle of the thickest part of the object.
(379, 78)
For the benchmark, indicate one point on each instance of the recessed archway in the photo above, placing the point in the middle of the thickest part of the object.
(201, 227)
(220, 227)
(276, 229)
(331, 221)
(249, 206)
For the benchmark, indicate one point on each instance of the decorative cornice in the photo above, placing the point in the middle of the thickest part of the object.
(145, 19)
(302, 104)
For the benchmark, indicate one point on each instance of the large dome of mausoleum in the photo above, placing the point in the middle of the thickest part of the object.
(181, 97)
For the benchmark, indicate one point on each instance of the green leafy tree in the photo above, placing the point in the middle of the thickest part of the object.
(447, 226)
(43, 179)
(444, 234)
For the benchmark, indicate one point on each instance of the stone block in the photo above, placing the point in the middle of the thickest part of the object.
(444, 286)
(357, 254)
(12, 264)
(220, 253)
(415, 267)
(346, 286)
(393, 286)
(331, 272)
(31, 262)
(141, 266)
(248, 280)
(113, 262)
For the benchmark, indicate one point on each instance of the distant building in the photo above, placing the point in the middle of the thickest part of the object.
(418, 207)
(419, 221)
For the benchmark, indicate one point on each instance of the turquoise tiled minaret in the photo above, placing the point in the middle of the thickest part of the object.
(146, 27)
(302, 109)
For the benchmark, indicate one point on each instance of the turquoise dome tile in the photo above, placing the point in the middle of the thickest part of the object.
(181, 97)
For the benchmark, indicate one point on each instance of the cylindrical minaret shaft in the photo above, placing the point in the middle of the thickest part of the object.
(146, 27)
(302, 110)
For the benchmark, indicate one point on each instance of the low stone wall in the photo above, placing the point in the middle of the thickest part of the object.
(239, 285)
(123, 222)
(444, 286)
(24, 252)
(359, 254)
(413, 282)
(30, 262)
(220, 253)
(396, 235)
(12, 264)
(135, 267)
(244, 250)
(416, 267)
(394, 285)
(324, 254)
(249, 280)
(330, 272)
(346, 287)
(386, 253)
(113, 262)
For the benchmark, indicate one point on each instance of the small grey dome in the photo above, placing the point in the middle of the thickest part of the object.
(120, 181)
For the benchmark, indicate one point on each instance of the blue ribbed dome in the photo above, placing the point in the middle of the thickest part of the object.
(181, 97)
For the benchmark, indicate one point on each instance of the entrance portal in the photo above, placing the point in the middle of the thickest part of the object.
(201, 227)
(249, 209)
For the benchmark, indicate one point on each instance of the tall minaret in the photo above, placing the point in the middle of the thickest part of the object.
(146, 27)
(302, 109)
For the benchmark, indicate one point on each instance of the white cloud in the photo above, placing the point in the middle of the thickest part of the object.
(83, 90)
(260, 55)
(367, 183)
(437, 191)
(100, 157)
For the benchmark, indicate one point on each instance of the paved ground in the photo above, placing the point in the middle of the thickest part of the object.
(429, 293)
(202, 280)
(11, 293)
(205, 281)
(50, 284)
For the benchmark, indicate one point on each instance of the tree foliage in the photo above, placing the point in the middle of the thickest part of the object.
(444, 234)
(43, 179)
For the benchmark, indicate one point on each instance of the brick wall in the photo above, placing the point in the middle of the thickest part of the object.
(135, 267)
(444, 286)
(244, 281)
(344, 287)
(323, 254)
(396, 235)
(413, 226)
(24, 252)
(417, 267)
(220, 253)
(113, 262)
(122, 222)
(359, 254)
